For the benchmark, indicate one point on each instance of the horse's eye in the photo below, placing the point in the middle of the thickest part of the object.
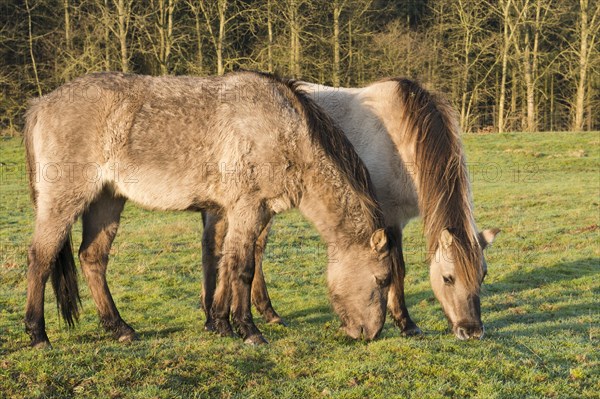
(384, 282)
(448, 280)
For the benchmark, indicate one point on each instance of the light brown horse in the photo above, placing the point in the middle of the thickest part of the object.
(183, 143)
(409, 140)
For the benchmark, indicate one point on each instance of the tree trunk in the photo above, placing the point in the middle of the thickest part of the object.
(577, 123)
(589, 105)
(106, 19)
(505, 48)
(529, 87)
(350, 53)
(161, 36)
(30, 41)
(530, 117)
(513, 96)
(270, 37)
(221, 37)
(552, 103)
(165, 33)
(198, 29)
(337, 10)
(294, 56)
(122, 27)
(169, 36)
(297, 72)
(68, 39)
(465, 83)
(292, 53)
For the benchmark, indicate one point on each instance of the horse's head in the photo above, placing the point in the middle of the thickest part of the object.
(358, 279)
(457, 293)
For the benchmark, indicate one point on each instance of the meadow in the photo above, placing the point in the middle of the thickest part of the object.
(539, 303)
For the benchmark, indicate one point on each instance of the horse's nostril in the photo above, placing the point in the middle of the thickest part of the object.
(478, 333)
(461, 333)
(469, 331)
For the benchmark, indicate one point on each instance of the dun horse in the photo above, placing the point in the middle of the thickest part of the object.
(409, 140)
(182, 143)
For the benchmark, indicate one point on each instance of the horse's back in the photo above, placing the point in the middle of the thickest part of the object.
(166, 142)
(368, 117)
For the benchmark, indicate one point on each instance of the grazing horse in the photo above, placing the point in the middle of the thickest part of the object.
(409, 140)
(201, 144)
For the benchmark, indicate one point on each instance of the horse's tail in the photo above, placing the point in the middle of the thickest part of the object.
(64, 271)
(64, 283)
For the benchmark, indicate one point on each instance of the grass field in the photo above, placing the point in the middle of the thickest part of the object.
(540, 303)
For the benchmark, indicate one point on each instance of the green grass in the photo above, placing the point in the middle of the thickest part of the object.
(540, 302)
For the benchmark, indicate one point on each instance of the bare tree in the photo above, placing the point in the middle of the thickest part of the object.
(68, 39)
(472, 46)
(505, 7)
(218, 11)
(30, 41)
(586, 34)
(526, 24)
(158, 29)
(123, 21)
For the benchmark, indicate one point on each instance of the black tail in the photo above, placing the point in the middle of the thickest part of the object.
(64, 282)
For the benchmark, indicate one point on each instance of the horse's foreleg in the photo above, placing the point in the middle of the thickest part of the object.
(260, 295)
(212, 242)
(100, 224)
(396, 303)
(236, 272)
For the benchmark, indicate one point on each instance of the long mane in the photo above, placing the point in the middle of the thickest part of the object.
(329, 138)
(444, 190)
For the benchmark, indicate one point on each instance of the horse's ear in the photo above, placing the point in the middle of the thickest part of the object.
(487, 237)
(446, 239)
(379, 243)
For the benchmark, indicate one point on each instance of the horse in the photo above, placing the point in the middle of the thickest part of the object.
(408, 137)
(197, 144)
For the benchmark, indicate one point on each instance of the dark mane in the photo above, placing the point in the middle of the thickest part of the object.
(444, 193)
(337, 148)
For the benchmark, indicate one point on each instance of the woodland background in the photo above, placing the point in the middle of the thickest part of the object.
(506, 65)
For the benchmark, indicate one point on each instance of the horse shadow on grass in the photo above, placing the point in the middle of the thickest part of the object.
(250, 366)
(538, 309)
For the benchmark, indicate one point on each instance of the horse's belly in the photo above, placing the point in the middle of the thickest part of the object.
(159, 190)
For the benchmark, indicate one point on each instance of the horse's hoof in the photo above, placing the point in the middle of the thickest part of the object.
(209, 326)
(256, 339)
(277, 320)
(41, 345)
(37, 336)
(123, 332)
(223, 328)
(128, 337)
(412, 331)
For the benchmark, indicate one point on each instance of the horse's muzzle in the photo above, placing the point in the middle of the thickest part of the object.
(469, 331)
(364, 332)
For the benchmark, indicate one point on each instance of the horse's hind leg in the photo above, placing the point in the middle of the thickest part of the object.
(100, 224)
(396, 302)
(260, 295)
(50, 246)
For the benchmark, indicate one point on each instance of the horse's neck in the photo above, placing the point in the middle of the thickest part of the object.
(366, 117)
(342, 212)
(338, 223)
